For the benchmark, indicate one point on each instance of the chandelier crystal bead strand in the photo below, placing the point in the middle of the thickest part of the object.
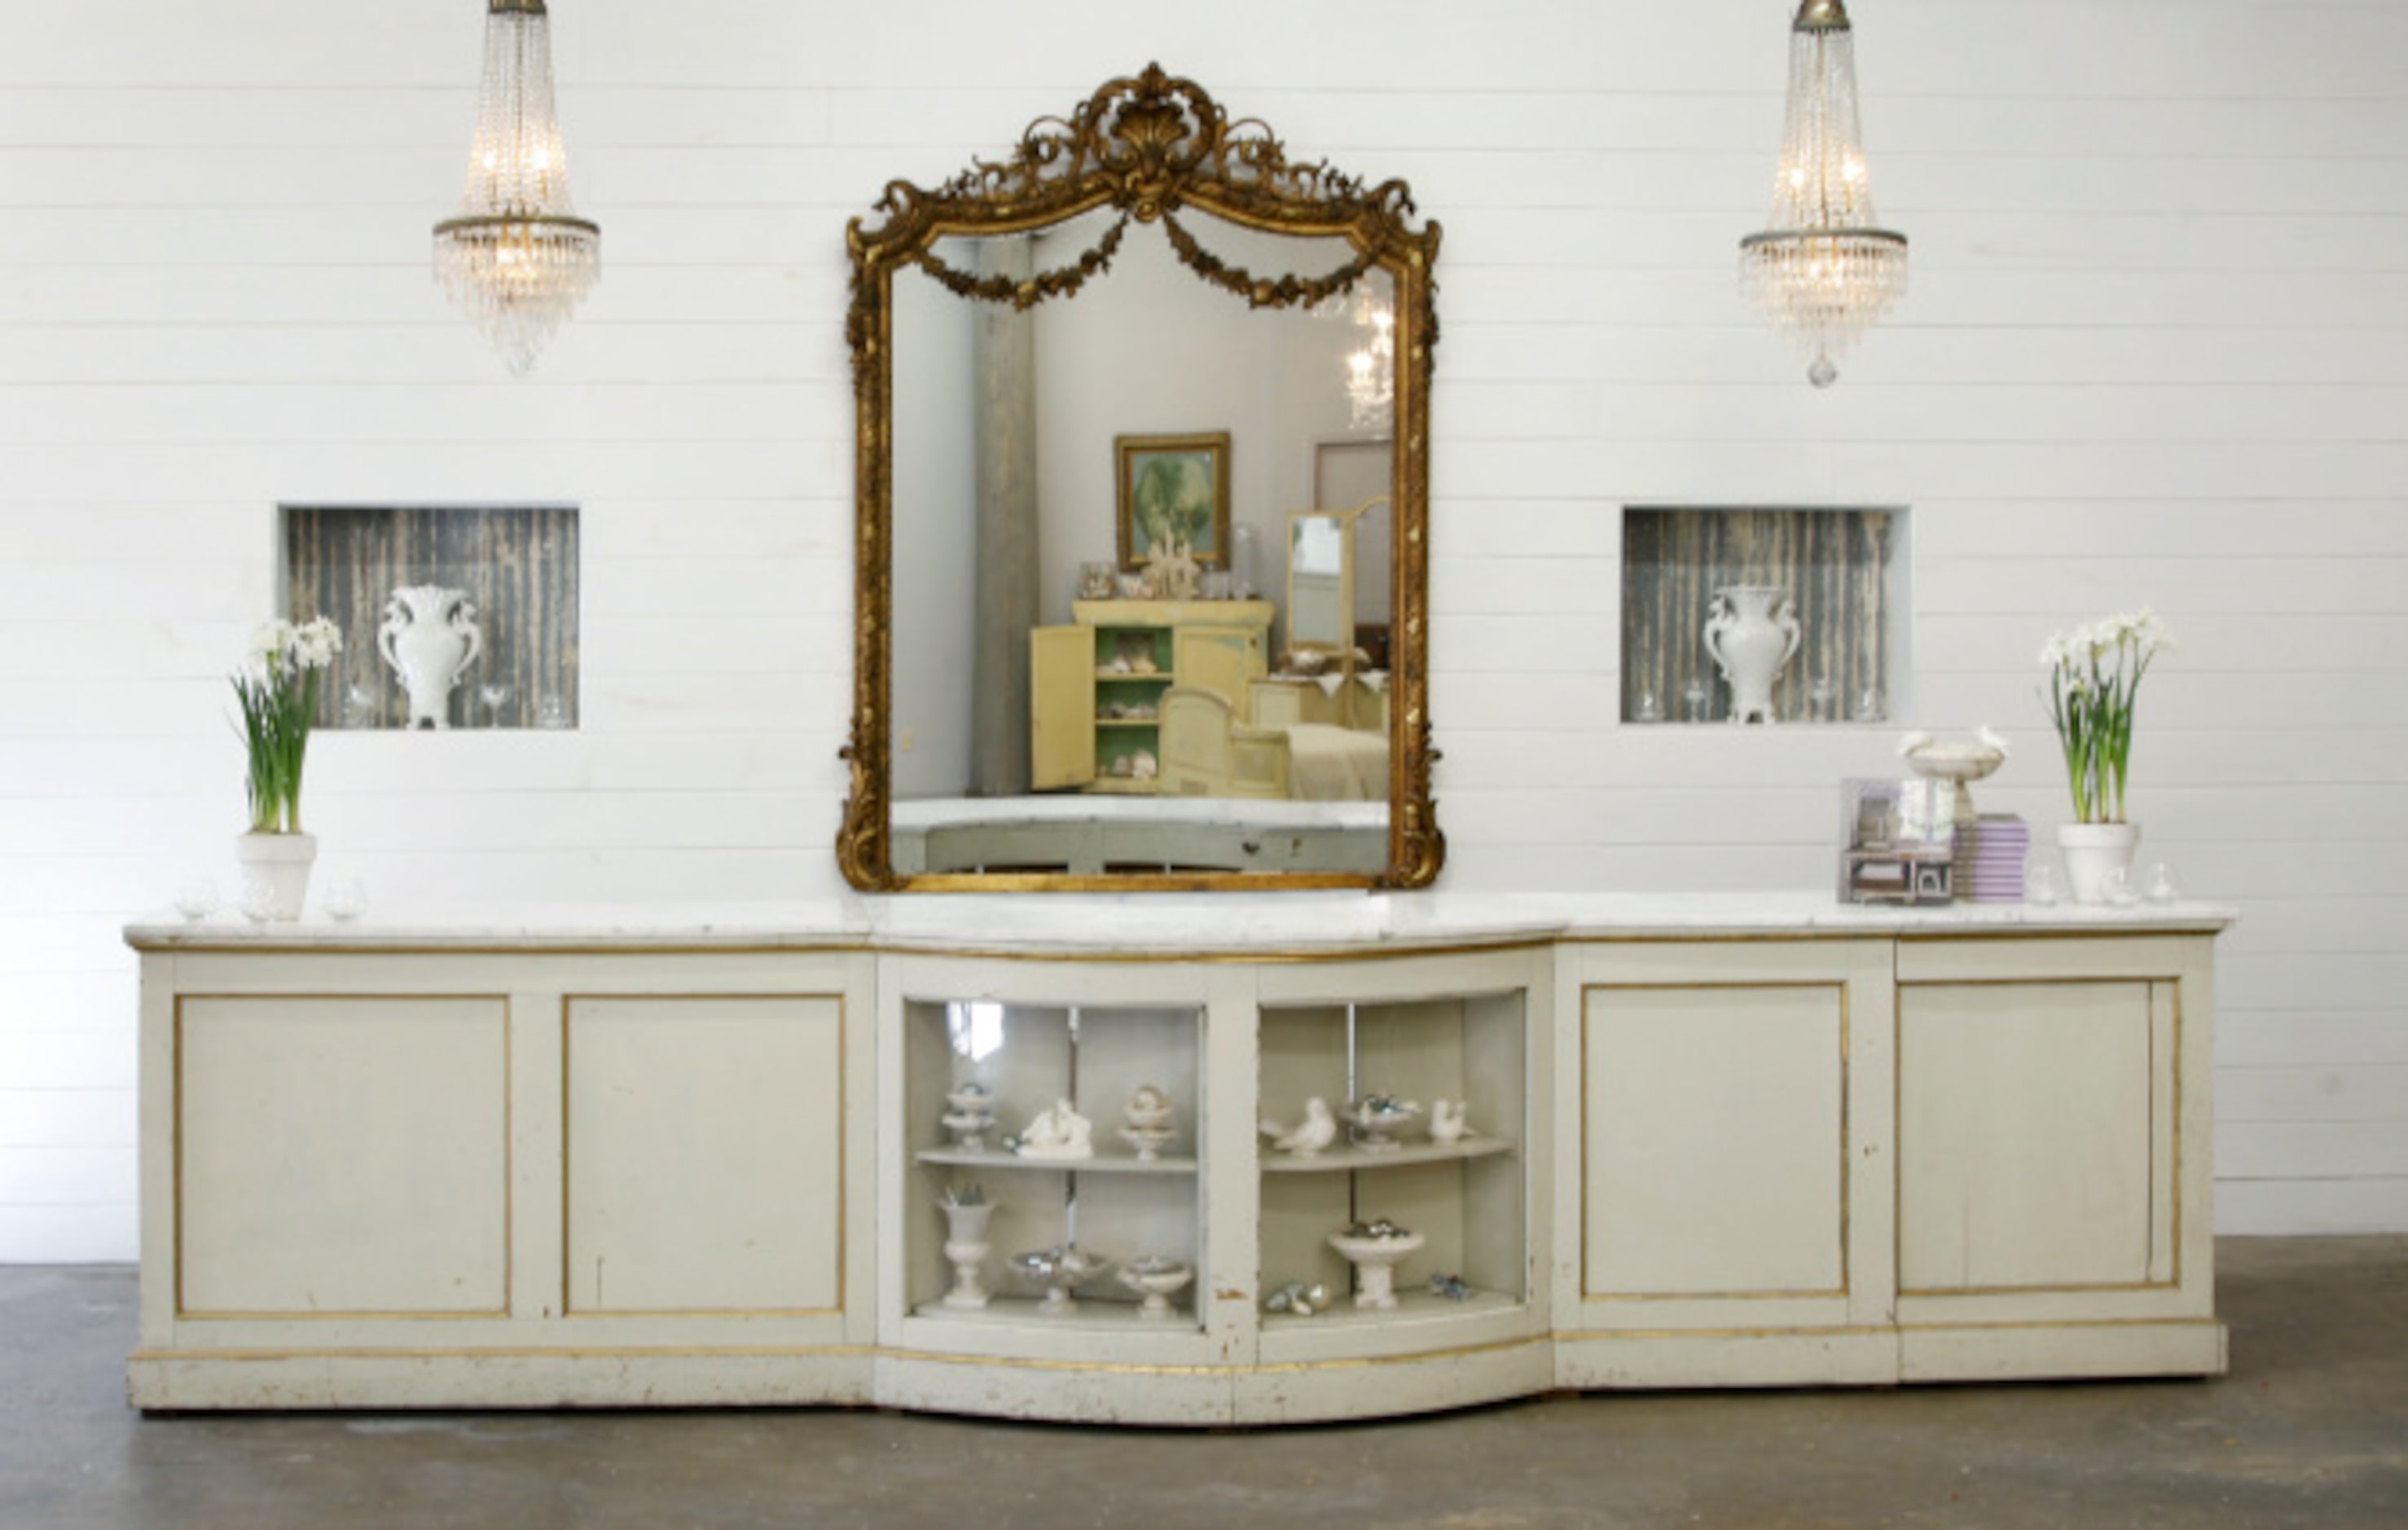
(517, 258)
(1823, 271)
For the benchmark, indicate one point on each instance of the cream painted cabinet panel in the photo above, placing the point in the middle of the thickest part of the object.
(1727, 1178)
(2028, 1120)
(1224, 658)
(705, 1155)
(1061, 706)
(1715, 1150)
(342, 1156)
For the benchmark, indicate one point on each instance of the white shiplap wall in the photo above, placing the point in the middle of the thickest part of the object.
(2154, 352)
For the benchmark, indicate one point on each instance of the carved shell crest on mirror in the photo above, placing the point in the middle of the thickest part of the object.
(1251, 339)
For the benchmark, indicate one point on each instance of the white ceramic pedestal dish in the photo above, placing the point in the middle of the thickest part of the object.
(1375, 1261)
(1158, 1279)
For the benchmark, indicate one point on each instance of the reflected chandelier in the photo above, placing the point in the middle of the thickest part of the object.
(1823, 272)
(517, 258)
(1371, 369)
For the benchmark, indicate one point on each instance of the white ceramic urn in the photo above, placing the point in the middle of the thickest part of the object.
(1752, 633)
(430, 638)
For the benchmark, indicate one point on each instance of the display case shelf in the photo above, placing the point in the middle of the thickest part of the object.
(1093, 1312)
(1100, 1163)
(1357, 1159)
(1419, 1305)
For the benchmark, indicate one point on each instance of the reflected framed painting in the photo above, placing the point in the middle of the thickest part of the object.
(1174, 493)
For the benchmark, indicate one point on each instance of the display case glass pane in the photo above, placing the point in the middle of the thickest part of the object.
(1055, 1174)
(1392, 1179)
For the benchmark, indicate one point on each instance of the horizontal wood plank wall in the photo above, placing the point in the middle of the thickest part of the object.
(2154, 353)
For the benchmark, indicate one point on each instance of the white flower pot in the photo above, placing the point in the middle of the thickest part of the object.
(278, 866)
(2093, 852)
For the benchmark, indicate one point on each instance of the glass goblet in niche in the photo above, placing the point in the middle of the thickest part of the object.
(496, 698)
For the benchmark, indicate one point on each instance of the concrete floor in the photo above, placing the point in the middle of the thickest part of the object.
(2310, 1429)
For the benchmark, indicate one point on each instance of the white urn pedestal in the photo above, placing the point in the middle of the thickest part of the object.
(966, 1249)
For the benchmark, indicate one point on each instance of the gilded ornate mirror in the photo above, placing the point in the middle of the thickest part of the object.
(1094, 382)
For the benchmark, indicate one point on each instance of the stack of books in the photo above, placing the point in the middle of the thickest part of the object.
(1990, 853)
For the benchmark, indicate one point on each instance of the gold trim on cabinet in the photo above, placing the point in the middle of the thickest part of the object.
(1611, 1336)
(1148, 147)
(176, 1158)
(568, 1310)
(523, 1351)
(1845, 988)
(1239, 1370)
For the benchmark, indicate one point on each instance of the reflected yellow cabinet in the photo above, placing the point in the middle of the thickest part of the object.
(1096, 688)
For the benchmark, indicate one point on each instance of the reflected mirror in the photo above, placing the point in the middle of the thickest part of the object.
(1321, 581)
(1117, 626)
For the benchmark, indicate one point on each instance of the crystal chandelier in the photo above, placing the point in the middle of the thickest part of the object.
(1823, 272)
(1372, 368)
(517, 258)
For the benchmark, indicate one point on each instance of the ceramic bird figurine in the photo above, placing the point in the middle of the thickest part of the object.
(1316, 1131)
(1447, 1123)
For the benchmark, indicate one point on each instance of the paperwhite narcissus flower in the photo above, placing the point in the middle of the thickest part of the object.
(311, 645)
(2095, 672)
(316, 642)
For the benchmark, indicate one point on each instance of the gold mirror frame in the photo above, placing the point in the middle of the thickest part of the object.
(1148, 148)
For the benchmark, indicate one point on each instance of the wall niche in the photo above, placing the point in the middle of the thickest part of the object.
(1843, 569)
(516, 564)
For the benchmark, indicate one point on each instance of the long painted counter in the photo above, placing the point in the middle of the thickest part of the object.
(702, 1156)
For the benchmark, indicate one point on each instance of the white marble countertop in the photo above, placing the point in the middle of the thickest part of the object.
(1211, 924)
(1080, 808)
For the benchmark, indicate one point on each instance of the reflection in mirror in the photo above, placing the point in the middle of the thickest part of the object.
(1072, 693)
(1320, 605)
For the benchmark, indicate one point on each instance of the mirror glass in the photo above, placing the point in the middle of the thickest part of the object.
(1101, 601)
(1321, 615)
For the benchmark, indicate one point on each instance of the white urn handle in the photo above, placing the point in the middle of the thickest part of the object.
(1719, 622)
(464, 621)
(1788, 621)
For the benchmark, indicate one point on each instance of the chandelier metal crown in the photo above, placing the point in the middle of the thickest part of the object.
(517, 257)
(1823, 270)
